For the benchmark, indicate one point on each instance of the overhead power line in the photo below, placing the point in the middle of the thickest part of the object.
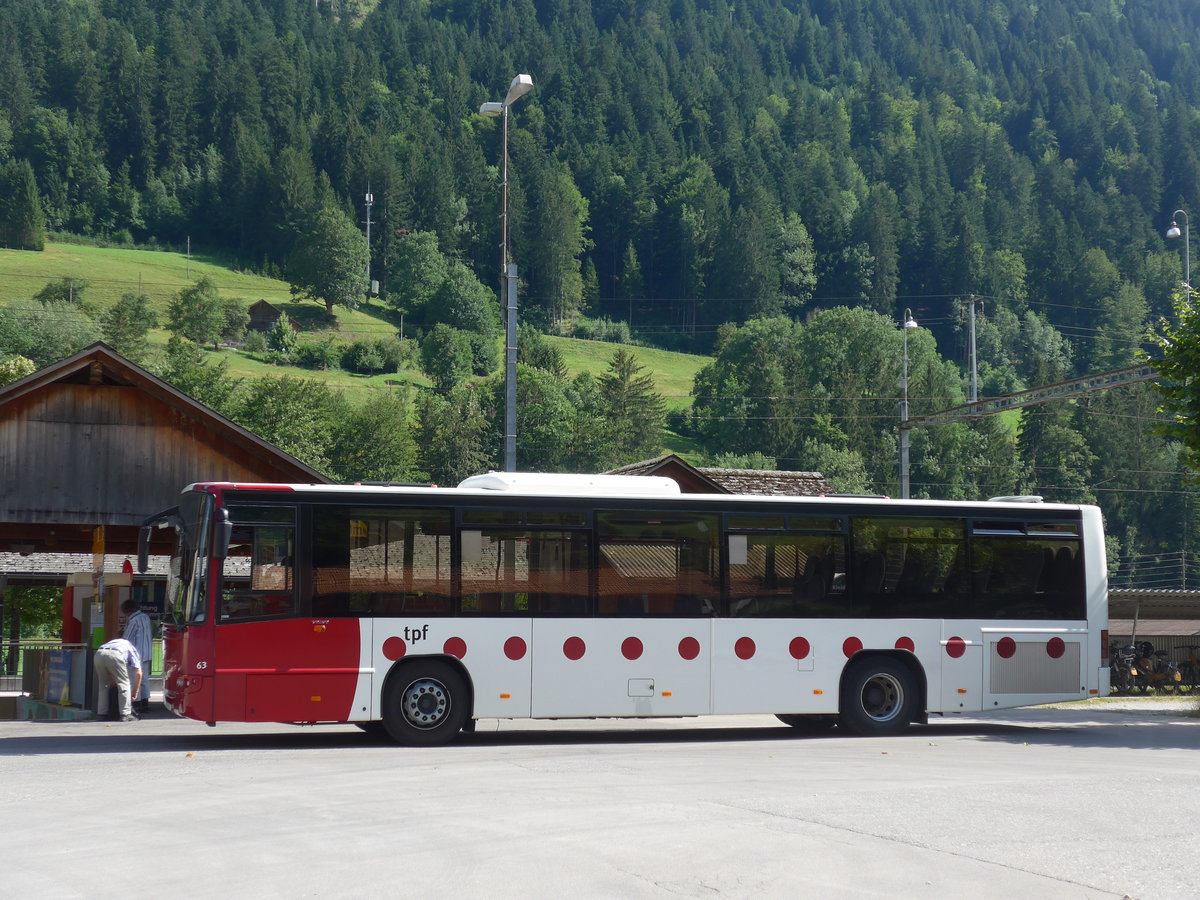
(1075, 387)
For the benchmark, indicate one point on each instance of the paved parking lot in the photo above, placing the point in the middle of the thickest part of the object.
(1083, 802)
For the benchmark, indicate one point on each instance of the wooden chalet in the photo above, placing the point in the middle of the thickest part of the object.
(95, 440)
(263, 316)
(704, 480)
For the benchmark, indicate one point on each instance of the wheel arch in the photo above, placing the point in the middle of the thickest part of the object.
(398, 667)
(909, 661)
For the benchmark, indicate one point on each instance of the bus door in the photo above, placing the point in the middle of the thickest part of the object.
(188, 641)
(647, 651)
(621, 667)
(272, 664)
(1029, 580)
(785, 574)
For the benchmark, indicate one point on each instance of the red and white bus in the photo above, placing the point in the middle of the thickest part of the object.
(420, 609)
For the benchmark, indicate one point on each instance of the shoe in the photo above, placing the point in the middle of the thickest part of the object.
(129, 718)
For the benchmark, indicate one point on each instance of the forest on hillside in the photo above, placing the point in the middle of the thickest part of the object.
(740, 179)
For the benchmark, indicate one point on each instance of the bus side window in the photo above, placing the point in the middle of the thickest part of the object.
(788, 575)
(523, 571)
(1028, 577)
(908, 567)
(372, 561)
(259, 572)
(658, 565)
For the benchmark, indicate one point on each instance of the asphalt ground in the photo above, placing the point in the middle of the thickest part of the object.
(1091, 800)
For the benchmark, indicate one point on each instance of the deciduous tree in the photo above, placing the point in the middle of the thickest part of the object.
(329, 261)
(198, 313)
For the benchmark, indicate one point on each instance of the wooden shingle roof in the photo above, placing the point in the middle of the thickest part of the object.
(705, 480)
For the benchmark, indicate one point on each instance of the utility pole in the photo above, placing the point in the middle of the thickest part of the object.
(370, 199)
(974, 358)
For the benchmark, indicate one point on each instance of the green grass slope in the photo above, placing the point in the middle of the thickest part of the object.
(673, 372)
(160, 275)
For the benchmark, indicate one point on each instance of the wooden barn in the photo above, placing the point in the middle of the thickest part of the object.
(95, 440)
(263, 316)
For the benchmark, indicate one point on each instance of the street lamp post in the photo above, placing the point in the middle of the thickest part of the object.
(1173, 232)
(520, 86)
(909, 324)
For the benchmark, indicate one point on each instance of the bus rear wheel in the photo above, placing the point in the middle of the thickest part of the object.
(879, 697)
(425, 703)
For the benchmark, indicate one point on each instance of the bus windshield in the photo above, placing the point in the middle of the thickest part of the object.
(186, 598)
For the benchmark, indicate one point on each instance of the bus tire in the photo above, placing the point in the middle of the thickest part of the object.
(807, 724)
(425, 703)
(373, 729)
(879, 697)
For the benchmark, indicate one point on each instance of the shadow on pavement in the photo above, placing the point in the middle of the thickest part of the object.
(1072, 728)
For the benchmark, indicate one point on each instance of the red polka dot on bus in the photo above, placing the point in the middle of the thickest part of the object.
(906, 643)
(1006, 648)
(799, 648)
(1056, 647)
(744, 648)
(574, 648)
(514, 648)
(394, 648)
(631, 648)
(850, 646)
(956, 647)
(456, 647)
(689, 648)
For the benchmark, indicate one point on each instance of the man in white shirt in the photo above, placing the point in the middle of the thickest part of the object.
(114, 661)
(138, 632)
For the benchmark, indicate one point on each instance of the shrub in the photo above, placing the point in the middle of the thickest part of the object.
(317, 354)
(397, 353)
(602, 330)
(485, 353)
(363, 357)
(255, 342)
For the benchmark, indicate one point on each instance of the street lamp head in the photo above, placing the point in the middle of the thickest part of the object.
(521, 85)
(1173, 231)
(491, 109)
(909, 321)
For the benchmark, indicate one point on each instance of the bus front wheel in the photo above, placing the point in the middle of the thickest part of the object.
(425, 703)
(879, 697)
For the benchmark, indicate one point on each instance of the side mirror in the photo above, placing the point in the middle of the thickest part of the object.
(158, 520)
(143, 562)
(222, 535)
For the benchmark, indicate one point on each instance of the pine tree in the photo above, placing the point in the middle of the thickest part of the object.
(22, 222)
(127, 324)
(632, 405)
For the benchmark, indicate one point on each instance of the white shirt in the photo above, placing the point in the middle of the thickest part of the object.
(138, 633)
